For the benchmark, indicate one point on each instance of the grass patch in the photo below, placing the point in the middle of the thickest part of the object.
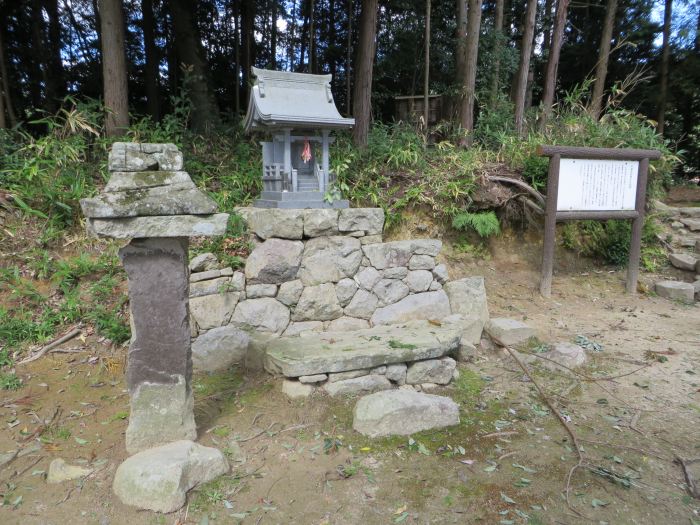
(10, 381)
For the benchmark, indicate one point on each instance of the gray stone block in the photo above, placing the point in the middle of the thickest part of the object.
(219, 349)
(274, 261)
(160, 226)
(159, 479)
(269, 223)
(438, 371)
(403, 412)
(683, 261)
(318, 303)
(359, 385)
(319, 223)
(675, 290)
(329, 259)
(468, 298)
(264, 315)
(212, 311)
(428, 305)
(508, 332)
(255, 291)
(368, 220)
(399, 253)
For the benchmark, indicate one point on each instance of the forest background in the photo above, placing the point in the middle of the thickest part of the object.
(75, 75)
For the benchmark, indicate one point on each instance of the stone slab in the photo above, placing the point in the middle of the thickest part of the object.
(132, 156)
(269, 223)
(130, 180)
(179, 199)
(368, 220)
(361, 349)
(160, 226)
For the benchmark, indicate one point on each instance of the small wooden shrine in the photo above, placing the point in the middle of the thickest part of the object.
(297, 112)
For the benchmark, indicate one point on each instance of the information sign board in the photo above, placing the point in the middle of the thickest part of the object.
(597, 185)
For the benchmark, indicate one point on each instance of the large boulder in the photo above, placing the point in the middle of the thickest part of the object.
(683, 261)
(468, 298)
(403, 412)
(264, 314)
(330, 259)
(399, 253)
(318, 303)
(428, 305)
(159, 478)
(219, 348)
(274, 261)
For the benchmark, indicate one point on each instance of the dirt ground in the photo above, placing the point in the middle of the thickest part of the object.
(300, 461)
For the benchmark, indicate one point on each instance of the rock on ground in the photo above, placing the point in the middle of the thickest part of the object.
(567, 354)
(403, 412)
(158, 478)
(675, 290)
(508, 332)
(219, 348)
(60, 471)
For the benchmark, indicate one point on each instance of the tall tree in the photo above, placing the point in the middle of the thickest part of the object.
(151, 66)
(520, 85)
(348, 62)
(190, 53)
(665, 55)
(466, 111)
(364, 65)
(247, 31)
(550, 78)
(426, 76)
(498, 38)
(116, 92)
(55, 84)
(461, 44)
(601, 69)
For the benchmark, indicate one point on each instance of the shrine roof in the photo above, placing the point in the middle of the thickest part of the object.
(280, 99)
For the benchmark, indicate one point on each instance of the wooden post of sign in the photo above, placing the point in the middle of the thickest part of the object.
(550, 226)
(637, 226)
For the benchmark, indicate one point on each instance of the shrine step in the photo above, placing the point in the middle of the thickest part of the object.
(300, 204)
(291, 195)
(329, 352)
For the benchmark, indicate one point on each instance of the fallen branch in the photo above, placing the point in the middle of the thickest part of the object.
(561, 419)
(258, 434)
(70, 335)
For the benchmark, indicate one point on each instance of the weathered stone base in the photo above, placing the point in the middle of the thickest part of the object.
(158, 479)
(160, 413)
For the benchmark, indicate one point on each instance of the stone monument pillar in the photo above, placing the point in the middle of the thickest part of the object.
(153, 203)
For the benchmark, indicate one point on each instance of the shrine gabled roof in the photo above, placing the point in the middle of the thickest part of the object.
(280, 99)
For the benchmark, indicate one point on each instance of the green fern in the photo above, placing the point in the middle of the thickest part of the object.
(484, 223)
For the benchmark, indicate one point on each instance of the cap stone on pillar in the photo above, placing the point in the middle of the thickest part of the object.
(152, 202)
(148, 195)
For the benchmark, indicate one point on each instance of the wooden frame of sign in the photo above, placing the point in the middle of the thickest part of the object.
(597, 184)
